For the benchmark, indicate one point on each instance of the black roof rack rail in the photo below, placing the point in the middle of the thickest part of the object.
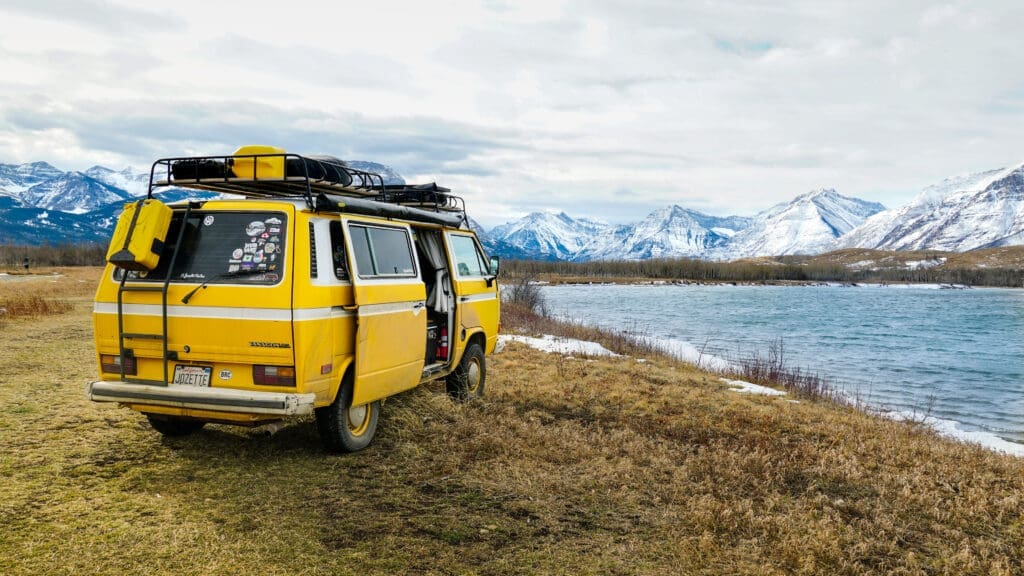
(265, 176)
(294, 176)
(425, 196)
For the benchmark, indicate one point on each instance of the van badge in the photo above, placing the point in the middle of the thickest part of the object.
(256, 344)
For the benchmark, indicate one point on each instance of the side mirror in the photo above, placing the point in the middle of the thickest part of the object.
(493, 270)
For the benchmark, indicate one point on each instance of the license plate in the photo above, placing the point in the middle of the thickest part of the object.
(192, 375)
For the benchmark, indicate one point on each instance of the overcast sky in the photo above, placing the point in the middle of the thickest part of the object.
(602, 109)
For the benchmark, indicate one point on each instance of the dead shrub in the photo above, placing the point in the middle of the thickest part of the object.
(32, 306)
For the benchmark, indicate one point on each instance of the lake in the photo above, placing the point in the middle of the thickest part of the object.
(957, 355)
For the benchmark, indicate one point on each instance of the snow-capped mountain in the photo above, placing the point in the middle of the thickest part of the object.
(387, 172)
(131, 180)
(72, 192)
(16, 178)
(548, 236)
(672, 231)
(975, 211)
(808, 224)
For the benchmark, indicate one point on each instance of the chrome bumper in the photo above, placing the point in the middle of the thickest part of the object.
(220, 399)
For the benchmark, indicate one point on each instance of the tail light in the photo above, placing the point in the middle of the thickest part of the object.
(273, 375)
(111, 364)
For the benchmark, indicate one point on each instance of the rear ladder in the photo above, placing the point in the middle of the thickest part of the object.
(124, 288)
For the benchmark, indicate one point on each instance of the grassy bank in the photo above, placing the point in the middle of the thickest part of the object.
(567, 466)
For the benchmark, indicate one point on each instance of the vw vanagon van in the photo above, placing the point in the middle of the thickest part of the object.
(302, 286)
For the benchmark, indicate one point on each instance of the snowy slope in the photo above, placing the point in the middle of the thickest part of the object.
(980, 210)
(672, 231)
(549, 236)
(16, 178)
(808, 224)
(72, 192)
(134, 182)
(898, 221)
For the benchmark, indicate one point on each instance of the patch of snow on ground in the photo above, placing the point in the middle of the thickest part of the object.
(687, 352)
(549, 343)
(950, 429)
(862, 264)
(748, 388)
(918, 264)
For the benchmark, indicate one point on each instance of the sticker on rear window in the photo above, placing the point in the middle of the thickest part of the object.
(255, 228)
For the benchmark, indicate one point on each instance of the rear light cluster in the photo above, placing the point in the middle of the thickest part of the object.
(273, 375)
(111, 364)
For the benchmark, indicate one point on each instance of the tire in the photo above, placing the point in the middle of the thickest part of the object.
(467, 381)
(173, 426)
(344, 428)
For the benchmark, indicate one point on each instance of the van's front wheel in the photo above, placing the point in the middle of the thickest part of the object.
(467, 381)
(347, 428)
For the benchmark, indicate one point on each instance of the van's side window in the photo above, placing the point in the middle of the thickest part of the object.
(338, 251)
(382, 251)
(468, 260)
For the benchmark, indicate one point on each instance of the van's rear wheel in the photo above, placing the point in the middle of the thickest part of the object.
(467, 381)
(347, 428)
(174, 425)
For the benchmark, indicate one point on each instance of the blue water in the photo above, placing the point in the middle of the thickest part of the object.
(955, 354)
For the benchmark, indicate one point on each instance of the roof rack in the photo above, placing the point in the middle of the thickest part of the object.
(265, 175)
(296, 176)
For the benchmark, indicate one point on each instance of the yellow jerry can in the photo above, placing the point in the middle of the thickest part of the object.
(139, 236)
(258, 168)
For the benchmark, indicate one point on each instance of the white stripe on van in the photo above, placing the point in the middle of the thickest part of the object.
(224, 312)
(482, 297)
(392, 308)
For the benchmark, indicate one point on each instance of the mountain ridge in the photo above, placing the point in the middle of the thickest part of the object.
(40, 203)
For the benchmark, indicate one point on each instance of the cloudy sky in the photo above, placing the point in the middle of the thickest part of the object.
(603, 109)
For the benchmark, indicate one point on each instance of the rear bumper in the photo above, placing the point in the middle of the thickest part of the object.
(219, 399)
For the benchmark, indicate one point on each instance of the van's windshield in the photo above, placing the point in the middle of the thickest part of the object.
(224, 248)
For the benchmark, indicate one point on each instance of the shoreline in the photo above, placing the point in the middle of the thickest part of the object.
(583, 281)
(725, 370)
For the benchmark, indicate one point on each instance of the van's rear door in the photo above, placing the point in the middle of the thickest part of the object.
(391, 307)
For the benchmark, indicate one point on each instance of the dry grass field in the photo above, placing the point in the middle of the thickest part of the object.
(567, 466)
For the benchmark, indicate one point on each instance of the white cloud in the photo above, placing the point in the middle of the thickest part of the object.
(599, 108)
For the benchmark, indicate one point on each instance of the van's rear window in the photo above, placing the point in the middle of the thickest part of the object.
(224, 248)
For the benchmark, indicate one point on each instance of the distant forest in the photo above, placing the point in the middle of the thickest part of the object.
(685, 269)
(15, 257)
(784, 269)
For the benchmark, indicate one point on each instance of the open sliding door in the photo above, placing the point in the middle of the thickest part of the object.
(391, 308)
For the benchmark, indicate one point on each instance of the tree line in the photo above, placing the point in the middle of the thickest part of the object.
(13, 256)
(686, 269)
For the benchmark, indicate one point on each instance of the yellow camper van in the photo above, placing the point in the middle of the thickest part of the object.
(304, 286)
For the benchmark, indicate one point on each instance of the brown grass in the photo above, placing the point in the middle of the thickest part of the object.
(44, 292)
(567, 466)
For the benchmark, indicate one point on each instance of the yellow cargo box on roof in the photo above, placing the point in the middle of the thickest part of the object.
(257, 168)
(139, 236)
